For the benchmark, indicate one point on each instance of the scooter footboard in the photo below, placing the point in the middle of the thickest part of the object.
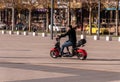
(82, 51)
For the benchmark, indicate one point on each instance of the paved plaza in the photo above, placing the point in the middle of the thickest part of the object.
(27, 59)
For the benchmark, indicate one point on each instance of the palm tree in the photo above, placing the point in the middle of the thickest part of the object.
(113, 4)
(32, 4)
(117, 17)
(2, 6)
(91, 4)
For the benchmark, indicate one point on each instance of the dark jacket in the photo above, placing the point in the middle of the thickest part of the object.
(71, 35)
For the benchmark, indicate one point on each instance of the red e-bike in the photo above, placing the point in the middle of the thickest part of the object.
(80, 53)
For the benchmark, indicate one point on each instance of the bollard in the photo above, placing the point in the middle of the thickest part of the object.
(44, 34)
(109, 38)
(3, 31)
(18, 33)
(11, 32)
(35, 33)
(25, 33)
(96, 37)
(119, 39)
(83, 36)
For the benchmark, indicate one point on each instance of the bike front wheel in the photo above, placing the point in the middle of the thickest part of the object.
(81, 56)
(53, 54)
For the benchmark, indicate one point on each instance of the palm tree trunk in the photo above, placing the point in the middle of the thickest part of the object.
(0, 15)
(90, 20)
(13, 18)
(117, 17)
(99, 7)
(69, 13)
(47, 21)
(29, 19)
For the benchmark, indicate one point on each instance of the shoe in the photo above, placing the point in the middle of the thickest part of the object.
(60, 56)
(71, 55)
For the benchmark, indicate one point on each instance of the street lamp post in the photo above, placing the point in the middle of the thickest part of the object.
(13, 15)
(99, 1)
(13, 18)
(69, 13)
(117, 17)
(52, 10)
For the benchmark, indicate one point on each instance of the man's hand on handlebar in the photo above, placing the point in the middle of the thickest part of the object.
(58, 36)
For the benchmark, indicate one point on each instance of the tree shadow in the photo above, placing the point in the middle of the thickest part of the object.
(93, 59)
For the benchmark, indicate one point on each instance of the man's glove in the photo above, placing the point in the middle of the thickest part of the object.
(58, 36)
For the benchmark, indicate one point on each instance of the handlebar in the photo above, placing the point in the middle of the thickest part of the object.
(57, 39)
(83, 45)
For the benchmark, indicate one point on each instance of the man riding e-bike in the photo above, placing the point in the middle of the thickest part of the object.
(71, 33)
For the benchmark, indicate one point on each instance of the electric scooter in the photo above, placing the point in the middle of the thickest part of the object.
(80, 53)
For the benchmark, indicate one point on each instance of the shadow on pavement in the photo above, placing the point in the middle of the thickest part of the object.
(103, 59)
